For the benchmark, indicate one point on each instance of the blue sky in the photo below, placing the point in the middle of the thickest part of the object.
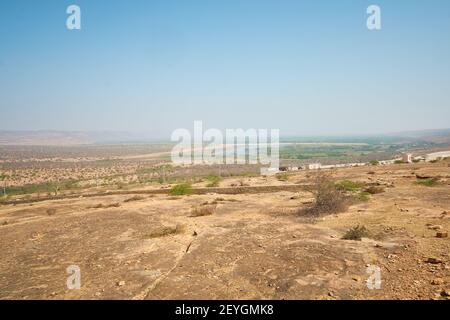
(305, 67)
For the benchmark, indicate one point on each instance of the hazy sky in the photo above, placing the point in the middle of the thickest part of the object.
(306, 67)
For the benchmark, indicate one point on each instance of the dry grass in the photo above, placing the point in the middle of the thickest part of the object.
(134, 198)
(166, 231)
(106, 206)
(204, 210)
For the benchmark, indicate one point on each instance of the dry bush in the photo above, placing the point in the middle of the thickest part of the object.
(201, 211)
(282, 176)
(105, 206)
(134, 198)
(51, 211)
(357, 233)
(166, 231)
(329, 198)
(374, 190)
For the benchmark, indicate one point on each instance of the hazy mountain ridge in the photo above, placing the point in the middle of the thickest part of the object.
(61, 138)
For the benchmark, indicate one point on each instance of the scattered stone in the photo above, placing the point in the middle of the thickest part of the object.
(442, 234)
(356, 279)
(437, 282)
(423, 176)
(434, 260)
(121, 283)
(195, 233)
(445, 293)
(436, 227)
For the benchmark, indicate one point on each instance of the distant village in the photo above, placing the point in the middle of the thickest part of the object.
(405, 158)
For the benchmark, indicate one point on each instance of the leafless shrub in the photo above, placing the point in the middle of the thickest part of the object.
(329, 198)
(357, 233)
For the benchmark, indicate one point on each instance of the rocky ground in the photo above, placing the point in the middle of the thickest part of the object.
(248, 246)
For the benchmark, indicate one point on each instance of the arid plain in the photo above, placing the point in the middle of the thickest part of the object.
(236, 235)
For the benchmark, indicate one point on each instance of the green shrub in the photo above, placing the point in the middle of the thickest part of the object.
(181, 189)
(282, 176)
(348, 185)
(430, 182)
(213, 181)
(374, 162)
(398, 162)
(362, 196)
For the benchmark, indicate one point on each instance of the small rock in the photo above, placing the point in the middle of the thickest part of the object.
(331, 294)
(121, 283)
(437, 227)
(355, 278)
(442, 234)
(195, 233)
(434, 260)
(445, 293)
(437, 282)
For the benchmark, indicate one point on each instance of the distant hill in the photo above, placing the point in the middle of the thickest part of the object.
(433, 135)
(60, 138)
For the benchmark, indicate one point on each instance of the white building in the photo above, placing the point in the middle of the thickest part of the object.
(407, 158)
(314, 166)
